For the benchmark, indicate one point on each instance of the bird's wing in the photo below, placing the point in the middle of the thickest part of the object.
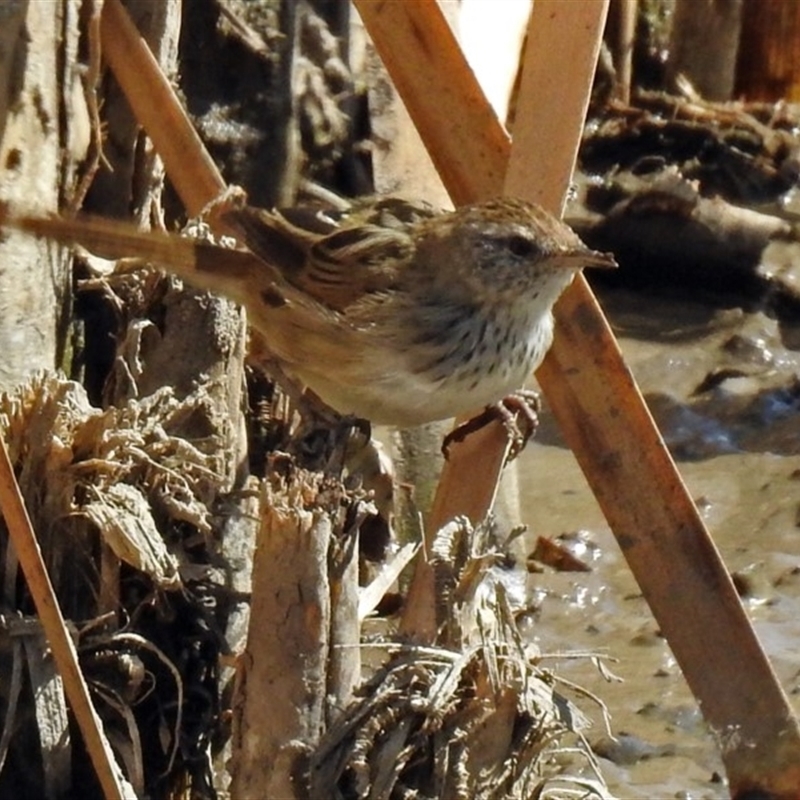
(336, 266)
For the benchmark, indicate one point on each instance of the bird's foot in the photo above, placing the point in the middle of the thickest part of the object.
(229, 199)
(519, 413)
(323, 436)
(324, 443)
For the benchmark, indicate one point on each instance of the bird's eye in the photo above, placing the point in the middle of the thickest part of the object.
(520, 246)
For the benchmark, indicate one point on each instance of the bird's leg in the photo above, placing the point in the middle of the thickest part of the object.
(519, 413)
(322, 434)
(229, 199)
(311, 409)
(326, 445)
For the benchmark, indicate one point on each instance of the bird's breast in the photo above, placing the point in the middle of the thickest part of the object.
(509, 348)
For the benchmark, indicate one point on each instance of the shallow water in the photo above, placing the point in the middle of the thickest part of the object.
(722, 386)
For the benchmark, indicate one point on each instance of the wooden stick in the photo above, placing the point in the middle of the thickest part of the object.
(557, 71)
(189, 166)
(23, 539)
(622, 23)
(590, 389)
(463, 117)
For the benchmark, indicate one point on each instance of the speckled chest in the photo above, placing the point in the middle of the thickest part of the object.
(484, 352)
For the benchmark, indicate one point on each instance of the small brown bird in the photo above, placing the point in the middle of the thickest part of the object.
(391, 311)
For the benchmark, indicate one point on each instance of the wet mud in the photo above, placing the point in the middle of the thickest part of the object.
(723, 386)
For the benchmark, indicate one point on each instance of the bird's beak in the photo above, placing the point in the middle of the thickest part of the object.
(593, 259)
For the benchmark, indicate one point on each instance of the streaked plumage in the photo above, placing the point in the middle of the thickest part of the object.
(391, 312)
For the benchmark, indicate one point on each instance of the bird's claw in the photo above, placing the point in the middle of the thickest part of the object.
(519, 413)
(323, 443)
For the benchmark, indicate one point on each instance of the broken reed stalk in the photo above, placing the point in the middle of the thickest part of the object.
(23, 539)
(281, 695)
(587, 383)
(302, 659)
